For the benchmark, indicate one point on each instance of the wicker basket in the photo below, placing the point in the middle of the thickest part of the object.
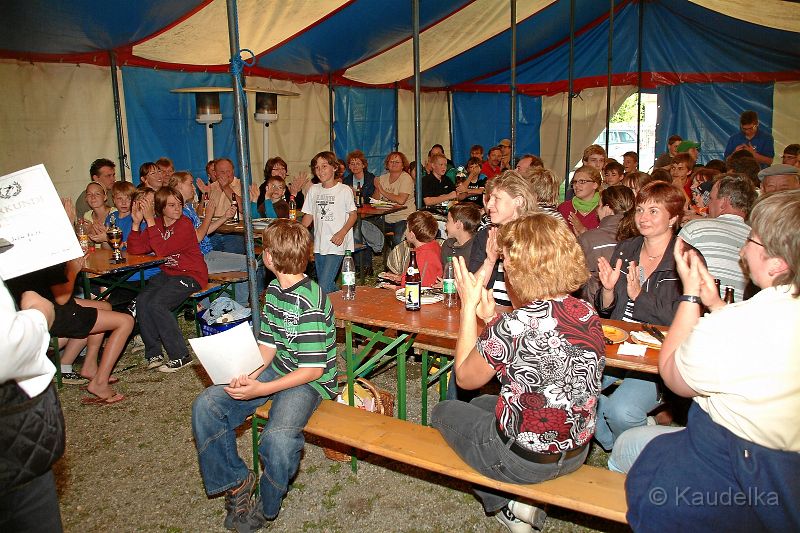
(384, 404)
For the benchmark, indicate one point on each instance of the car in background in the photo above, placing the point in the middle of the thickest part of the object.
(619, 141)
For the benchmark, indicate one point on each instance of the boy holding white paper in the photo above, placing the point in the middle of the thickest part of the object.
(298, 345)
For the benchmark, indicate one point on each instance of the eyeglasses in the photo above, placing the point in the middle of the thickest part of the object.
(751, 127)
(582, 182)
(277, 186)
(748, 239)
(393, 161)
(789, 157)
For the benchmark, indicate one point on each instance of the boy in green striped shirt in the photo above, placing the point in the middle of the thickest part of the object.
(298, 343)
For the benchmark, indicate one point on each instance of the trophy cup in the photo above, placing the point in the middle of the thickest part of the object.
(114, 235)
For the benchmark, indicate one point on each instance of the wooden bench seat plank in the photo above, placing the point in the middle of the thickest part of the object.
(232, 276)
(590, 490)
(434, 344)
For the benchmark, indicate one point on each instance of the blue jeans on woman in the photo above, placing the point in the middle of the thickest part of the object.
(470, 429)
(626, 407)
(327, 271)
(215, 417)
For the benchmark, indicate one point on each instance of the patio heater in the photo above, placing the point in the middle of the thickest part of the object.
(208, 114)
(266, 113)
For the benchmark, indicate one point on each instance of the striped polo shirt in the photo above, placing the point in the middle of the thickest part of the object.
(298, 323)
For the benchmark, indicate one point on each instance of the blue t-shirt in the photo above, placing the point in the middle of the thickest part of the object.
(762, 142)
(191, 214)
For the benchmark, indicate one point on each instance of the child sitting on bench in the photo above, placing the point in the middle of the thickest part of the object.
(298, 345)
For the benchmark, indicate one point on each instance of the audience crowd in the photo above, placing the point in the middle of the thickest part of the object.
(539, 264)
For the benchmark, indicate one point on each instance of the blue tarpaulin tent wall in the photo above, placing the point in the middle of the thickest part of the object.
(708, 112)
(364, 119)
(162, 123)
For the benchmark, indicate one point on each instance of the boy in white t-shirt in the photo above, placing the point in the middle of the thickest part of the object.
(329, 205)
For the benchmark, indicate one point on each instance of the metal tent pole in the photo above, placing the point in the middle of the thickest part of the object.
(569, 90)
(639, 79)
(610, 70)
(513, 83)
(330, 111)
(450, 122)
(417, 128)
(243, 154)
(396, 117)
(123, 157)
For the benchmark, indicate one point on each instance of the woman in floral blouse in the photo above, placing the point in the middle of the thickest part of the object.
(548, 354)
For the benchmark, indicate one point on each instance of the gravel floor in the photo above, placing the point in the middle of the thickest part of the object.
(132, 466)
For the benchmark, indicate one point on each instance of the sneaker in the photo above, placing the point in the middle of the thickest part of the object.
(512, 523)
(253, 520)
(153, 362)
(237, 501)
(528, 513)
(173, 365)
(73, 378)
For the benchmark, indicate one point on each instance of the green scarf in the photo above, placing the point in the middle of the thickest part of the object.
(586, 206)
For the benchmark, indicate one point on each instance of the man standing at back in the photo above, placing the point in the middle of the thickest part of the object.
(750, 138)
(104, 172)
(493, 167)
(720, 236)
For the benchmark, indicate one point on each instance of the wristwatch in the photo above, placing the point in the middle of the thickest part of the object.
(689, 298)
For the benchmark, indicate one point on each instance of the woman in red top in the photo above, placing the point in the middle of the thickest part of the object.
(171, 235)
(581, 212)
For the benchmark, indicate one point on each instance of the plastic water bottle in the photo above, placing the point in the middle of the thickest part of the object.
(348, 277)
(449, 285)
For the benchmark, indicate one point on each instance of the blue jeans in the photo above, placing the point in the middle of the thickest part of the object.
(215, 417)
(626, 407)
(469, 428)
(705, 478)
(227, 243)
(31, 507)
(399, 229)
(630, 444)
(154, 307)
(327, 271)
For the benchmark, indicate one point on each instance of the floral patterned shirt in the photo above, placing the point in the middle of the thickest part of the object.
(549, 357)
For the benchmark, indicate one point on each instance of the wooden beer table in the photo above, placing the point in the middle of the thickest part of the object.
(99, 269)
(383, 321)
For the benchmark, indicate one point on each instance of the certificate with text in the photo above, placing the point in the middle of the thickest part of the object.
(33, 221)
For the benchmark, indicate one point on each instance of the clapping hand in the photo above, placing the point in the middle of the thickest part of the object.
(492, 253)
(577, 225)
(634, 287)
(696, 279)
(475, 297)
(608, 276)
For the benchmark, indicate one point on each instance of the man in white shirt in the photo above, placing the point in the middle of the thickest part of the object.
(720, 236)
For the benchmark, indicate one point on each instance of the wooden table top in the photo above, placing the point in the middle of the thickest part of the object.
(97, 262)
(380, 308)
(372, 211)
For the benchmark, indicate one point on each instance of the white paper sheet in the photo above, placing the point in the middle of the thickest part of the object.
(628, 348)
(34, 221)
(228, 354)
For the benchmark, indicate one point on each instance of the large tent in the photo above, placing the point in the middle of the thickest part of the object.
(352, 64)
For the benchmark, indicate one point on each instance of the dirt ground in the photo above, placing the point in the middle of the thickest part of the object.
(132, 466)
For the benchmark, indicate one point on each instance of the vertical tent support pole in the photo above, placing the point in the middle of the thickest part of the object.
(513, 83)
(450, 122)
(330, 111)
(396, 117)
(610, 70)
(417, 128)
(639, 78)
(123, 157)
(569, 91)
(243, 153)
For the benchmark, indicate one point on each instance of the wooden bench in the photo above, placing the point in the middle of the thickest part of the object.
(590, 490)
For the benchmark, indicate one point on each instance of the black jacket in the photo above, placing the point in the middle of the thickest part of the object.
(659, 299)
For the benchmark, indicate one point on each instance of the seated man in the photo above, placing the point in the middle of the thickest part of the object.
(720, 236)
(791, 155)
(779, 178)
(298, 345)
